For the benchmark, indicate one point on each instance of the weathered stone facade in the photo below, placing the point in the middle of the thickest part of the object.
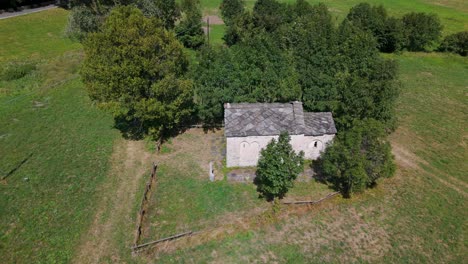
(250, 127)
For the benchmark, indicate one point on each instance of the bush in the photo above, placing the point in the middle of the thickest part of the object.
(424, 30)
(278, 167)
(82, 21)
(15, 71)
(358, 158)
(456, 43)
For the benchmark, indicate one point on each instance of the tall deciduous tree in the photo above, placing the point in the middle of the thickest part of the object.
(135, 69)
(278, 167)
(256, 70)
(424, 30)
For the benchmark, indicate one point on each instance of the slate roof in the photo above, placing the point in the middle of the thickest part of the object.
(319, 123)
(269, 119)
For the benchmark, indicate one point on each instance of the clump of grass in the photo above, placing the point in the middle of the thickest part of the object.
(16, 70)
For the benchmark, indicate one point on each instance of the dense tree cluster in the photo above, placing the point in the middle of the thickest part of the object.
(281, 52)
(278, 167)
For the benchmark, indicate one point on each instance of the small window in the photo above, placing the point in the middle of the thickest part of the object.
(315, 144)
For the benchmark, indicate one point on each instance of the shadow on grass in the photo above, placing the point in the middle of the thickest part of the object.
(17, 166)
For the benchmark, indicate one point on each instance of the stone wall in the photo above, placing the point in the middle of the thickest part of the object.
(244, 151)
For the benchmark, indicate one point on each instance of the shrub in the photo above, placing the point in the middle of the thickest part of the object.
(394, 37)
(456, 43)
(82, 21)
(424, 30)
(358, 158)
(278, 167)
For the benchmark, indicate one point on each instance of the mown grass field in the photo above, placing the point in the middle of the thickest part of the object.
(48, 204)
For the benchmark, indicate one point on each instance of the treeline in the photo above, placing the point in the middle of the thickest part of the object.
(15, 4)
(185, 19)
(412, 32)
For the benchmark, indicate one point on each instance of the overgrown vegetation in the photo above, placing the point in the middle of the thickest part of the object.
(456, 43)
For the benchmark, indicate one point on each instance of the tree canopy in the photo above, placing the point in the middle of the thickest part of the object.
(135, 69)
(424, 30)
(358, 157)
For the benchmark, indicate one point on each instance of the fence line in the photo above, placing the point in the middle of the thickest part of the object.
(144, 204)
(312, 202)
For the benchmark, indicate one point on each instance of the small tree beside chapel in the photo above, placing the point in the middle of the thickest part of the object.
(278, 167)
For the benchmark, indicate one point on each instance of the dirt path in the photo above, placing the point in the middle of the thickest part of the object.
(407, 159)
(114, 207)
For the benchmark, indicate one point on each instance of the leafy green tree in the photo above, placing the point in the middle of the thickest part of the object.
(270, 14)
(370, 18)
(395, 36)
(231, 9)
(239, 28)
(165, 10)
(456, 43)
(358, 158)
(256, 70)
(189, 31)
(311, 39)
(278, 166)
(135, 69)
(366, 83)
(424, 30)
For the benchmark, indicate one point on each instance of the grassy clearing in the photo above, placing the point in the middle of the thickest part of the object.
(35, 36)
(47, 121)
(185, 199)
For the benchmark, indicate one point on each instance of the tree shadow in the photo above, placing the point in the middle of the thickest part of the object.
(17, 166)
(320, 177)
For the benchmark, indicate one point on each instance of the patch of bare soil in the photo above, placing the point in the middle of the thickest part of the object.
(129, 163)
(214, 20)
